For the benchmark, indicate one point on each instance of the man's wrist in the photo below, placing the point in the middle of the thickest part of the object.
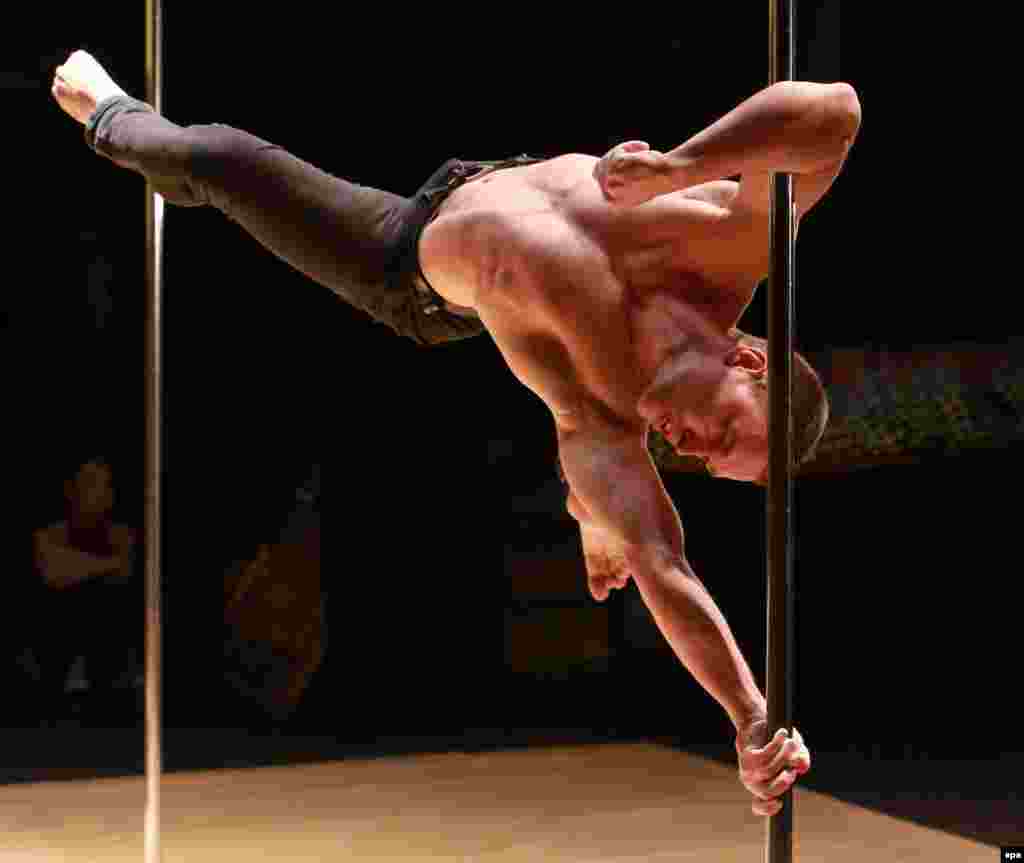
(755, 712)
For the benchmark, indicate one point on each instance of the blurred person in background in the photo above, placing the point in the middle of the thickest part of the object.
(93, 602)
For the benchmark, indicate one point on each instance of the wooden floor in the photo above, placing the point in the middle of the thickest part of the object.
(615, 802)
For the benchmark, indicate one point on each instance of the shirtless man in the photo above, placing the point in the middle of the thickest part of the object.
(611, 286)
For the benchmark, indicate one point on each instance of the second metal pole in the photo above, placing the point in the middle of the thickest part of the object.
(154, 425)
(779, 526)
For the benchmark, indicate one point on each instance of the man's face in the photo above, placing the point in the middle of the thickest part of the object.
(93, 489)
(711, 406)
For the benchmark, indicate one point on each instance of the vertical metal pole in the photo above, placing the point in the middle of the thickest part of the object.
(779, 845)
(154, 423)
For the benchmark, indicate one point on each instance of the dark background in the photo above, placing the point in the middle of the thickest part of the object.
(906, 576)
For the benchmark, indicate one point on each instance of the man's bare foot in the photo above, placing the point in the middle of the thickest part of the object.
(81, 84)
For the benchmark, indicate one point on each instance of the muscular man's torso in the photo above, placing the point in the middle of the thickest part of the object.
(557, 274)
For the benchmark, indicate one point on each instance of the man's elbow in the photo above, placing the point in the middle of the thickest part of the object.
(835, 120)
(656, 559)
(843, 109)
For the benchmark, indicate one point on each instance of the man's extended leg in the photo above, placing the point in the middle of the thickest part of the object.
(356, 240)
(335, 232)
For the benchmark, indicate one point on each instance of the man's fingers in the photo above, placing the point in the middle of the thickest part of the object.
(785, 779)
(764, 764)
(792, 756)
(767, 795)
(785, 757)
(772, 770)
(802, 759)
(601, 589)
(756, 758)
(773, 745)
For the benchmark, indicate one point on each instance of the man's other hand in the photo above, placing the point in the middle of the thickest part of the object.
(768, 768)
(632, 173)
(607, 568)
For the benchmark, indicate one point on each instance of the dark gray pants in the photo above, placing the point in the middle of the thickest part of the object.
(358, 241)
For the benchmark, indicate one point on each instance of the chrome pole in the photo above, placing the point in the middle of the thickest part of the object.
(779, 526)
(154, 424)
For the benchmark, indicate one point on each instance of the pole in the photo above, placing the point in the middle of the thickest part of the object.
(154, 424)
(779, 845)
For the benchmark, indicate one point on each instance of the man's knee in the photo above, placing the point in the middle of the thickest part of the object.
(216, 150)
(219, 159)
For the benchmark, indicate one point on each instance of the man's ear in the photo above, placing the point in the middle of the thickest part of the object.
(751, 358)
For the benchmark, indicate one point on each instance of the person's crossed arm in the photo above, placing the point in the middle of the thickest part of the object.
(62, 566)
(630, 528)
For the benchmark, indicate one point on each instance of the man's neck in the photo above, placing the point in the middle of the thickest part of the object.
(664, 324)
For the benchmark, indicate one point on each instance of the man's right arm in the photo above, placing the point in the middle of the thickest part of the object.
(615, 487)
(62, 566)
(699, 634)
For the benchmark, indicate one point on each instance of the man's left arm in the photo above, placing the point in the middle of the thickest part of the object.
(793, 127)
(755, 190)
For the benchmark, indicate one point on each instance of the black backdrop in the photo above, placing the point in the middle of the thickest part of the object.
(268, 373)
